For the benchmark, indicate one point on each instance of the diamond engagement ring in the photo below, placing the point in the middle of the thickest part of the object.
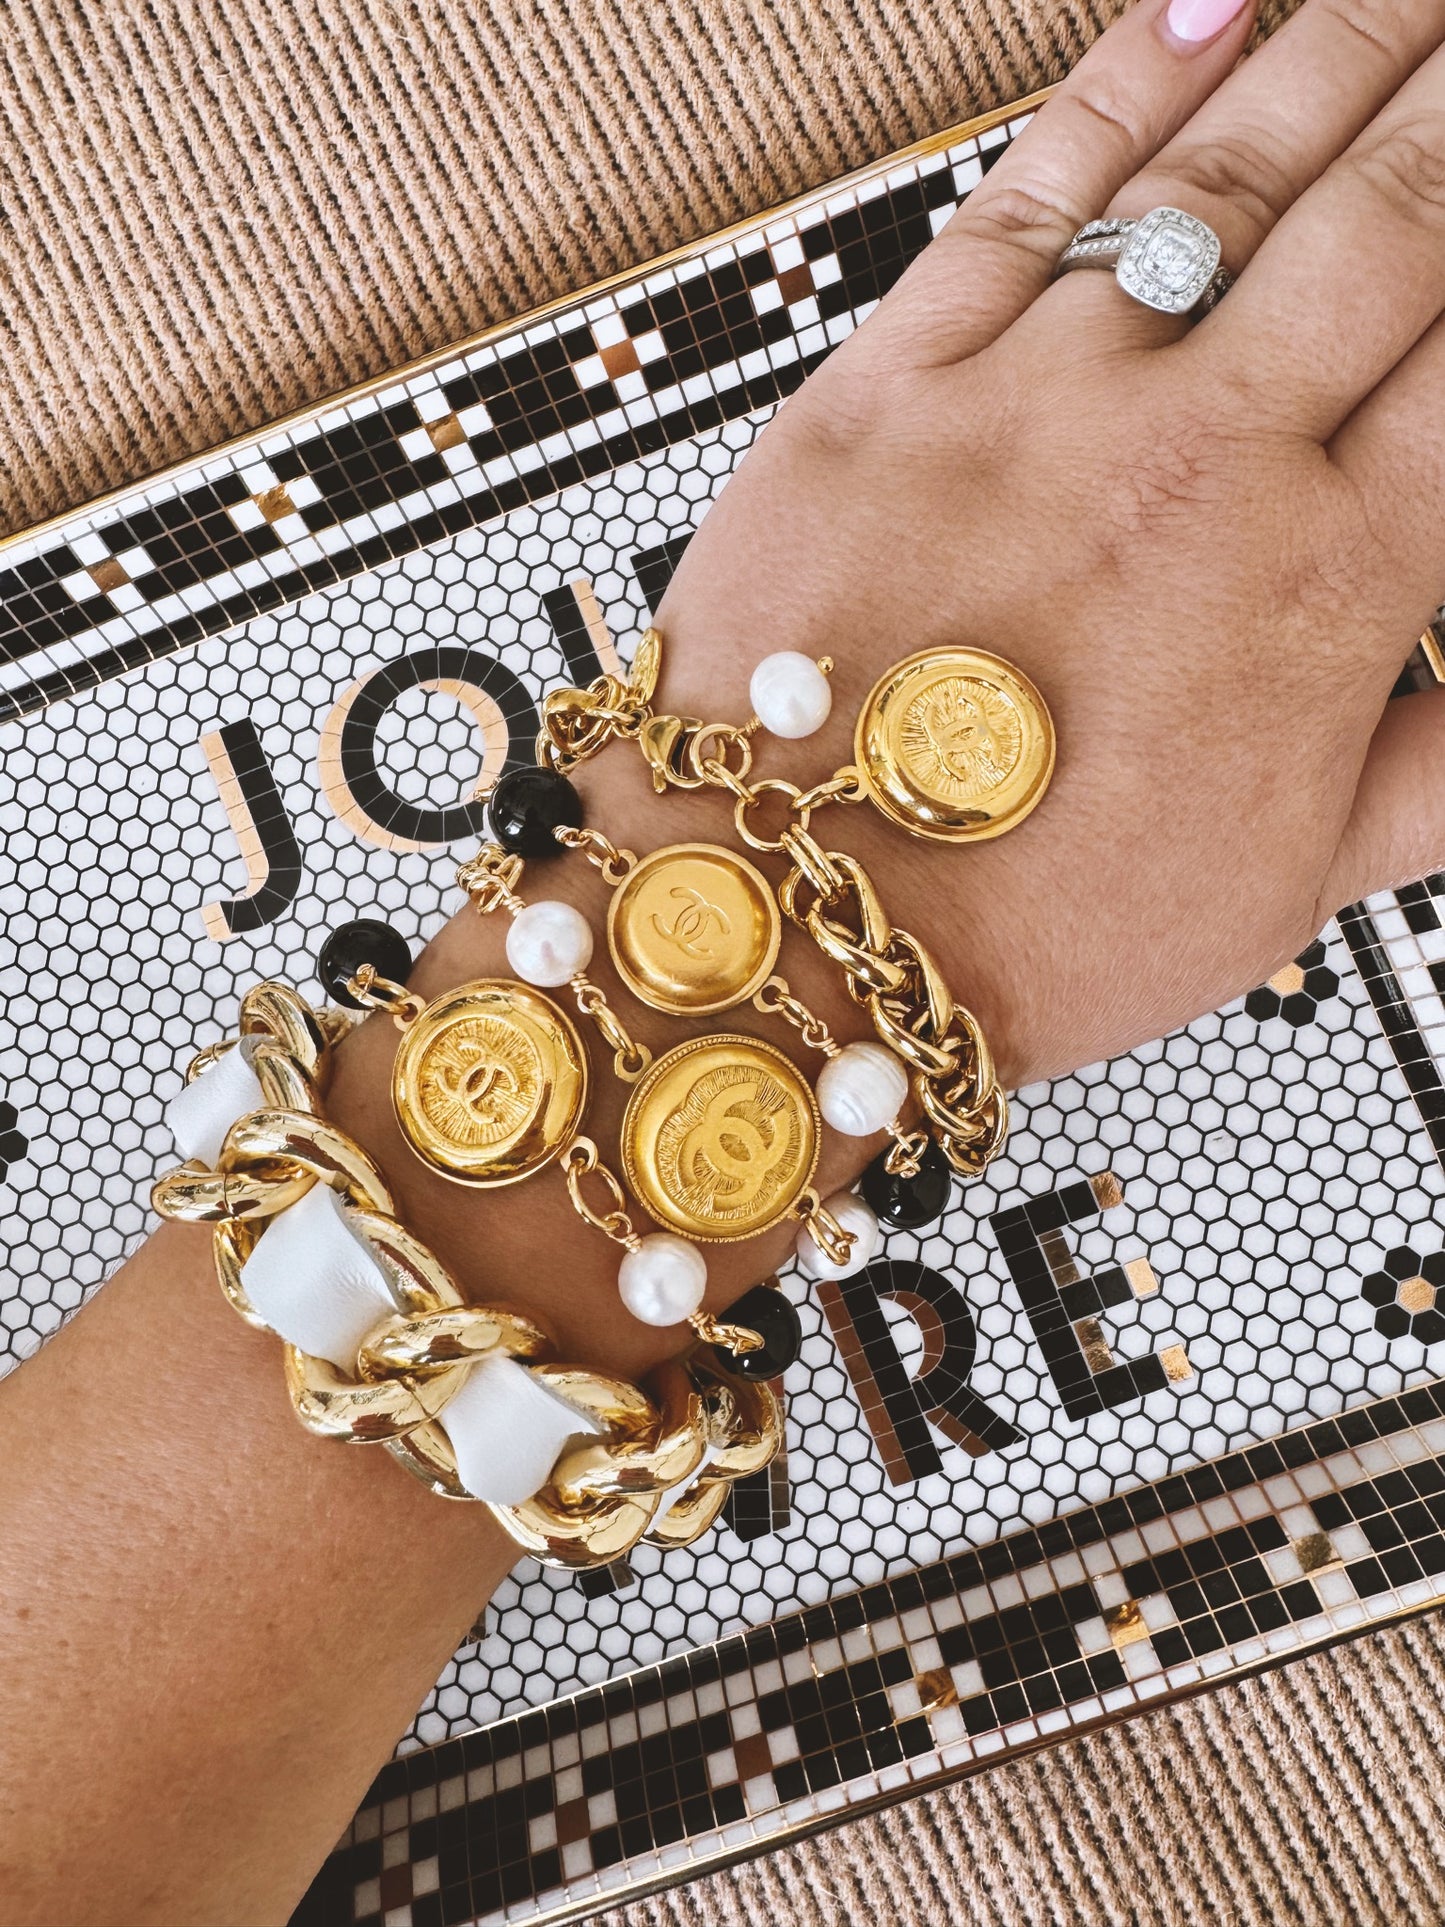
(1169, 260)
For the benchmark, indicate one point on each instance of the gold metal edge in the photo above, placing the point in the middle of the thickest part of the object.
(720, 1859)
(251, 438)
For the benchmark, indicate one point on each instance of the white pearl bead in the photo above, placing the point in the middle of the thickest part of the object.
(790, 694)
(548, 943)
(862, 1089)
(854, 1215)
(662, 1281)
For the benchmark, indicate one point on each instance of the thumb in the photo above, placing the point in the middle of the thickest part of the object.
(1396, 831)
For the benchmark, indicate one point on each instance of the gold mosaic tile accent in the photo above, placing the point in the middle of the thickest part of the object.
(275, 503)
(1142, 1281)
(1314, 1552)
(108, 575)
(1416, 1294)
(446, 433)
(1288, 980)
(1125, 1623)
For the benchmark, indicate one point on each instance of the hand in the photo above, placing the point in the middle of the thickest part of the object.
(1212, 548)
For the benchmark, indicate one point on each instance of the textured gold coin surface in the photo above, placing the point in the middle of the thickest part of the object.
(490, 1082)
(720, 1138)
(955, 744)
(694, 929)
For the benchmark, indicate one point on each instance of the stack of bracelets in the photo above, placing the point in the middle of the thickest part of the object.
(720, 1135)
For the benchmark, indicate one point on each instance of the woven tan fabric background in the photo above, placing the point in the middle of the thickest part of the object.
(214, 212)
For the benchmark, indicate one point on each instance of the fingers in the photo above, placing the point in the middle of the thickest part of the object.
(1267, 135)
(1128, 95)
(1353, 279)
(1396, 831)
(1392, 450)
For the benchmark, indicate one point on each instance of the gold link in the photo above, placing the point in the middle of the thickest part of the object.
(577, 723)
(712, 768)
(630, 1060)
(490, 879)
(207, 1055)
(813, 864)
(600, 851)
(418, 1280)
(284, 1085)
(273, 1010)
(833, 1241)
(776, 999)
(380, 993)
(738, 1339)
(582, 1160)
(843, 786)
(194, 1196)
(690, 1515)
(363, 1411)
(748, 797)
(653, 1463)
(428, 1342)
(290, 1138)
(232, 1243)
(931, 1060)
(868, 972)
(906, 1156)
(751, 1432)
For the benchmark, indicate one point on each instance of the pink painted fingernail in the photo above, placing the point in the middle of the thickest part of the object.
(1196, 21)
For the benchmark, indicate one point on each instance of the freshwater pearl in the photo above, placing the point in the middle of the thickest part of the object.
(662, 1281)
(790, 694)
(548, 943)
(855, 1216)
(862, 1089)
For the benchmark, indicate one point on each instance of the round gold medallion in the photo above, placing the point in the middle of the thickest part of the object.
(694, 929)
(489, 1083)
(720, 1138)
(956, 745)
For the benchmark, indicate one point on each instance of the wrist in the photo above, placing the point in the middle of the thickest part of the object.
(522, 1245)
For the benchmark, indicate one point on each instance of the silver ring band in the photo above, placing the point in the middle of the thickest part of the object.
(1169, 261)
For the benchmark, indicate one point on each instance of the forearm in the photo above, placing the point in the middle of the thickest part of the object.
(212, 1628)
(261, 1613)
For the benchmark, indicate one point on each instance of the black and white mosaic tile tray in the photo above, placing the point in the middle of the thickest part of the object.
(1156, 1403)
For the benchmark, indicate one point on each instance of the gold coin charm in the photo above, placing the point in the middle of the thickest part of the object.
(490, 1082)
(720, 1138)
(956, 745)
(694, 929)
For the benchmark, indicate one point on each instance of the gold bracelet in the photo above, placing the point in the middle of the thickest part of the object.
(705, 1425)
(953, 745)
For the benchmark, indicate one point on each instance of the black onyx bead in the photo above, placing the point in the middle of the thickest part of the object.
(527, 806)
(907, 1204)
(366, 941)
(768, 1313)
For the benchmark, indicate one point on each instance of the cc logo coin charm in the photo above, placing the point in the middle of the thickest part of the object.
(956, 745)
(489, 1083)
(720, 1138)
(694, 929)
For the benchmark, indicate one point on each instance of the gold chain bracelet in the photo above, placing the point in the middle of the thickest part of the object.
(704, 1428)
(829, 894)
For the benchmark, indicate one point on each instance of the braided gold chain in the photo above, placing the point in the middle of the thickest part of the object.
(705, 1428)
